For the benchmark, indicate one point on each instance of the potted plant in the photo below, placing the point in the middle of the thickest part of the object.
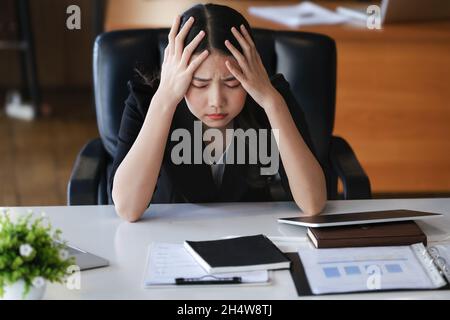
(31, 253)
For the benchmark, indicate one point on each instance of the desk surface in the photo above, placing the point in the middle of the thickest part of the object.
(97, 229)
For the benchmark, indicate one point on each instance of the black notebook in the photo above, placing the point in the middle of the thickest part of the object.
(247, 253)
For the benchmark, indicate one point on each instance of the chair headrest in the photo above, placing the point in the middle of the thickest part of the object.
(307, 60)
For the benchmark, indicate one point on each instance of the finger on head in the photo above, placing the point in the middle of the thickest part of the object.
(246, 35)
(242, 42)
(185, 29)
(187, 52)
(179, 39)
(234, 69)
(175, 26)
(234, 51)
(197, 61)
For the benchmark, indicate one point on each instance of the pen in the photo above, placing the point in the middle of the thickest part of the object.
(212, 281)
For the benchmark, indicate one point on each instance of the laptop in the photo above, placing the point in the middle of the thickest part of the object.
(414, 10)
(345, 219)
(86, 260)
(393, 11)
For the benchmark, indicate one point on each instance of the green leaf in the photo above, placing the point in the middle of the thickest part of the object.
(17, 263)
(44, 260)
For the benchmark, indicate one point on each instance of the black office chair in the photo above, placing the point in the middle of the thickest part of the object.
(307, 60)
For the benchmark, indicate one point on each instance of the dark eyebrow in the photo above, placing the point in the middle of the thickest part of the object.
(205, 80)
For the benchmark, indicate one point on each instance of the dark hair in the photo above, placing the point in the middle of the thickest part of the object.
(216, 20)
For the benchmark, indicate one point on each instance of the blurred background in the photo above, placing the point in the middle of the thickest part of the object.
(392, 103)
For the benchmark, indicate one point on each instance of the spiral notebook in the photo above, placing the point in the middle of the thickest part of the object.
(370, 269)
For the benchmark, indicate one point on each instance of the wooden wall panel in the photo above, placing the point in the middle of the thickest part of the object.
(63, 56)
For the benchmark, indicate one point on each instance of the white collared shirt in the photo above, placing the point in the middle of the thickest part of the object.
(217, 169)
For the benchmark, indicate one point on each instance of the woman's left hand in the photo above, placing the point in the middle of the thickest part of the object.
(252, 74)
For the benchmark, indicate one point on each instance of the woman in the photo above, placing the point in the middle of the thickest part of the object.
(212, 80)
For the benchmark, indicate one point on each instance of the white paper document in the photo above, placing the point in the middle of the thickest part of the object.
(303, 14)
(369, 268)
(168, 261)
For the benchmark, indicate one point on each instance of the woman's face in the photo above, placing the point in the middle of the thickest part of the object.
(215, 97)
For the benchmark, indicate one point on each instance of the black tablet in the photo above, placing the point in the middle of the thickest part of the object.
(344, 219)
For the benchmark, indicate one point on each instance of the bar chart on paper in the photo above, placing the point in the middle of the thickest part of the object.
(365, 269)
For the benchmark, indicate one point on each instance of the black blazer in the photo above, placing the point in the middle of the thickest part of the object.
(193, 182)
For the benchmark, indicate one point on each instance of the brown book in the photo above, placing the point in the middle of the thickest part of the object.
(368, 235)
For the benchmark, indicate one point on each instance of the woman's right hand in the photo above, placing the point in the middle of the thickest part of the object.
(177, 70)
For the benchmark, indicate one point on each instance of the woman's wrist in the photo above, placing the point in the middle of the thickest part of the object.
(273, 102)
(164, 101)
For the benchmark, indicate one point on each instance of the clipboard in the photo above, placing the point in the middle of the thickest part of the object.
(175, 254)
(299, 277)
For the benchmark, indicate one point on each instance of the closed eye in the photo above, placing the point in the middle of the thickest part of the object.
(204, 86)
(199, 86)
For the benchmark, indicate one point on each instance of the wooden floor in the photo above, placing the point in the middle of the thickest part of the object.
(37, 157)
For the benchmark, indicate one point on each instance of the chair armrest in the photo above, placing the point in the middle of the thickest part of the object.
(83, 185)
(344, 162)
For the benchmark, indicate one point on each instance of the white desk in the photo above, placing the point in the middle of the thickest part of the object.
(98, 229)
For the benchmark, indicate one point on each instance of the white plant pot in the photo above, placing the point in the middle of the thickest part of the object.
(15, 291)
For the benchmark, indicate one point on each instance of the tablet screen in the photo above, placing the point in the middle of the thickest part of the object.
(342, 219)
